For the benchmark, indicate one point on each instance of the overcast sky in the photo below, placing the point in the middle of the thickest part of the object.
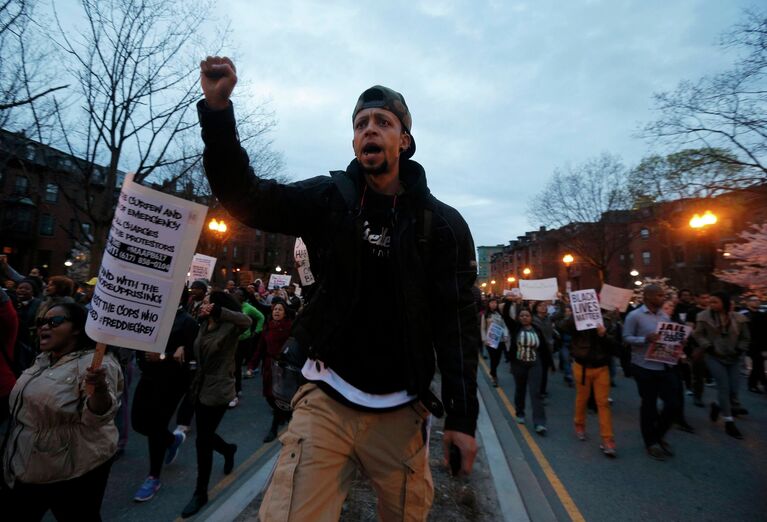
(501, 92)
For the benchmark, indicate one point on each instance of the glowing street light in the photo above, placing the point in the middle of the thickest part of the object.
(698, 221)
(217, 226)
(511, 279)
(527, 271)
(67, 263)
(278, 269)
(492, 282)
(634, 273)
(638, 282)
(484, 285)
(568, 259)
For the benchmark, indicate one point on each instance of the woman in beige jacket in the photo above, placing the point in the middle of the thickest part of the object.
(62, 438)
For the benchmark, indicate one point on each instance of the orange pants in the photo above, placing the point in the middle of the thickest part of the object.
(600, 379)
(326, 441)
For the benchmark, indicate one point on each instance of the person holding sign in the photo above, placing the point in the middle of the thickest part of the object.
(62, 438)
(654, 379)
(213, 386)
(528, 353)
(495, 336)
(723, 335)
(387, 255)
(591, 351)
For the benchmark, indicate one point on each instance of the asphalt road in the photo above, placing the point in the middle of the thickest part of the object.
(712, 476)
(244, 425)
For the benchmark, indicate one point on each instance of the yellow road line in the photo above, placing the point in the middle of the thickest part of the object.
(559, 488)
(229, 479)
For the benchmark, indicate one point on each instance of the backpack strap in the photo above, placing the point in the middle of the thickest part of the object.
(346, 187)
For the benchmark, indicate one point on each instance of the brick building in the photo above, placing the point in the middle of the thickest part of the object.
(39, 228)
(654, 241)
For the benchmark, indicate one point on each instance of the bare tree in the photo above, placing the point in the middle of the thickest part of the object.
(24, 78)
(588, 203)
(723, 116)
(690, 173)
(134, 64)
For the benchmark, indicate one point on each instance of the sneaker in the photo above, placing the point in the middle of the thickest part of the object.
(732, 430)
(666, 448)
(656, 452)
(755, 389)
(178, 440)
(234, 402)
(709, 383)
(147, 489)
(520, 419)
(608, 448)
(196, 504)
(739, 410)
(580, 431)
(689, 393)
(714, 413)
(541, 430)
(685, 426)
(248, 374)
(182, 428)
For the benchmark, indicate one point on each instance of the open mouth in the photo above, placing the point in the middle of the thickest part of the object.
(371, 148)
(44, 337)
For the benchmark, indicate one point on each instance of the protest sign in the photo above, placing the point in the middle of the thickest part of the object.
(508, 292)
(669, 346)
(614, 298)
(586, 312)
(494, 335)
(142, 274)
(301, 255)
(539, 289)
(278, 281)
(202, 268)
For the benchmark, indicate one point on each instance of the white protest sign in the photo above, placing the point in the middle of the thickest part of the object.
(142, 274)
(670, 344)
(202, 268)
(586, 312)
(301, 255)
(539, 289)
(278, 281)
(494, 335)
(508, 292)
(614, 298)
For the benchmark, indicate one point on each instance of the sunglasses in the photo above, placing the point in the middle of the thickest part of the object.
(52, 322)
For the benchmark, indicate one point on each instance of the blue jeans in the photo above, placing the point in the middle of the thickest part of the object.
(565, 365)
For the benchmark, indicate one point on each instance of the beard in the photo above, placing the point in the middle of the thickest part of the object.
(383, 168)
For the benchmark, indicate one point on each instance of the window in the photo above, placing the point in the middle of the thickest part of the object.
(46, 225)
(22, 220)
(258, 233)
(86, 228)
(646, 258)
(235, 251)
(51, 193)
(22, 185)
(644, 233)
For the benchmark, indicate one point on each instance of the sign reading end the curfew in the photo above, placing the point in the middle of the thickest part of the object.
(142, 274)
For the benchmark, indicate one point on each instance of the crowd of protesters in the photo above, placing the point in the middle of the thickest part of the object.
(529, 334)
(61, 439)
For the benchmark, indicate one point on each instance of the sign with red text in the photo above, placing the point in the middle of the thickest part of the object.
(586, 312)
(669, 346)
(143, 271)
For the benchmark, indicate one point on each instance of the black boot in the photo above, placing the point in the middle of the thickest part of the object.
(732, 430)
(273, 430)
(714, 413)
(229, 459)
(195, 505)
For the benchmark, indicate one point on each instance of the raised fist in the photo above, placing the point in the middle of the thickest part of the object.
(218, 76)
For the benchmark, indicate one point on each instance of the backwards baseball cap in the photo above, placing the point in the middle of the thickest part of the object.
(380, 97)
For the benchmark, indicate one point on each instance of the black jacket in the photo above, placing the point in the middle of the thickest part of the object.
(514, 326)
(436, 269)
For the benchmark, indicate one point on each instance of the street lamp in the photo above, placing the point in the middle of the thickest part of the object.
(278, 269)
(634, 273)
(217, 226)
(511, 279)
(527, 271)
(568, 259)
(707, 250)
(708, 218)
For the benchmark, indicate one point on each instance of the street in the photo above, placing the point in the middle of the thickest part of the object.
(712, 477)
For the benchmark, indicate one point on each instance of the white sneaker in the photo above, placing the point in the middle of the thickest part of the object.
(183, 429)
(234, 402)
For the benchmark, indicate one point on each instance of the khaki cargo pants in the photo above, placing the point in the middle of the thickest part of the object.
(324, 443)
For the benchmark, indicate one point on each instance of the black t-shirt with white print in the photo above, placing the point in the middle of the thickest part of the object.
(372, 348)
